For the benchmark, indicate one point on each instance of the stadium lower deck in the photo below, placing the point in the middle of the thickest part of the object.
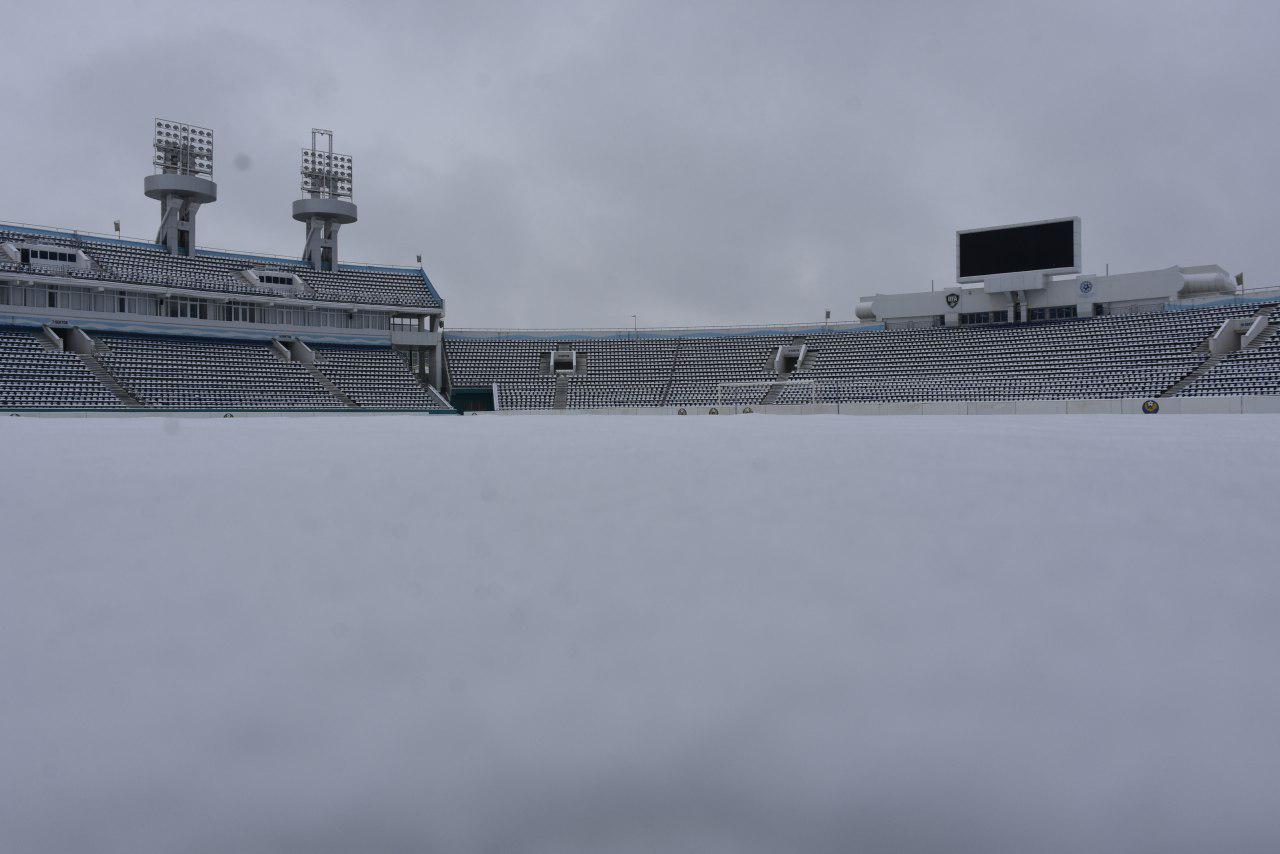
(118, 372)
(1150, 355)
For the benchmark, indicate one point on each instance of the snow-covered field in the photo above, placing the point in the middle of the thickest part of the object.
(631, 634)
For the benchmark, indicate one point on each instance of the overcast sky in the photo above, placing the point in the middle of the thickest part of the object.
(578, 163)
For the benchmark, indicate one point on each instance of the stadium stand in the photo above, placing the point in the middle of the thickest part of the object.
(645, 376)
(229, 362)
(703, 363)
(1252, 370)
(149, 264)
(474, 362)
(1105, 357)
(186, 373)
(165, 372)
(34, 376)
(1132, 355)
(376, 378)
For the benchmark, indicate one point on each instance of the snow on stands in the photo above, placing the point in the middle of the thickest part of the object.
(639, 634)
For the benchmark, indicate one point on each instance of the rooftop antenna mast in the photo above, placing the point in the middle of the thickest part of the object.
(327, 205)
(183, 154)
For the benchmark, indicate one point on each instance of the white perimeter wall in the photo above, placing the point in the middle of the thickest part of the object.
(1223, 405)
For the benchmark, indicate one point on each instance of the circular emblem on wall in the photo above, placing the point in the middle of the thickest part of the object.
(953, 300)
(682, 411)
(1086, 287)
(1150, 407)
(714, 411)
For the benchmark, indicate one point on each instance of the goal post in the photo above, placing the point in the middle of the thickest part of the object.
(755, 392)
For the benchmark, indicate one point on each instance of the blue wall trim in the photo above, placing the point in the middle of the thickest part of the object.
(648, 334)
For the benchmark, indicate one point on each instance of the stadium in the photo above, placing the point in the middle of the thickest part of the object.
(96, 323)
(1029, 606)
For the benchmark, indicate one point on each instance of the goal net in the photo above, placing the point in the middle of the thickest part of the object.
(774, 392)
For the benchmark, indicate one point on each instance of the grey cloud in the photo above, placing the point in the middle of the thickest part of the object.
(575, 163)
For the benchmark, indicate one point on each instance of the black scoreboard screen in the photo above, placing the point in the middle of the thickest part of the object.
(1018, 249)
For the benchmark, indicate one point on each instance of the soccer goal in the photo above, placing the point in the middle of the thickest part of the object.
(756, 392)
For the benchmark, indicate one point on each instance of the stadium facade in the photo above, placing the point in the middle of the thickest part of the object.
(95, 322)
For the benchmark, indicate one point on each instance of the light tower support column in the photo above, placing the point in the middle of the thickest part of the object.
(323, 218)
(180, 197)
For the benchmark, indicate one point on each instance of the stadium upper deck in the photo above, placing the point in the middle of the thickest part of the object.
(106, 259)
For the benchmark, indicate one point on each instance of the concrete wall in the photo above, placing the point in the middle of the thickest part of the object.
(1258, 404)
(1235, 405)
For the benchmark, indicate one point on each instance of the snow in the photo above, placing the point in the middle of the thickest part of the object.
(551, 634)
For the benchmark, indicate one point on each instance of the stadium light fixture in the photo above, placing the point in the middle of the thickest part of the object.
(183, 149)
(325, 174)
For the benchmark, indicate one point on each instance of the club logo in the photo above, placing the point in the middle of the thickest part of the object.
(1150, 407)
(953, 300)
(1086, 287)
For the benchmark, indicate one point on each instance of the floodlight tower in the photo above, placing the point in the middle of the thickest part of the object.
(184, 153)
(326, 179)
